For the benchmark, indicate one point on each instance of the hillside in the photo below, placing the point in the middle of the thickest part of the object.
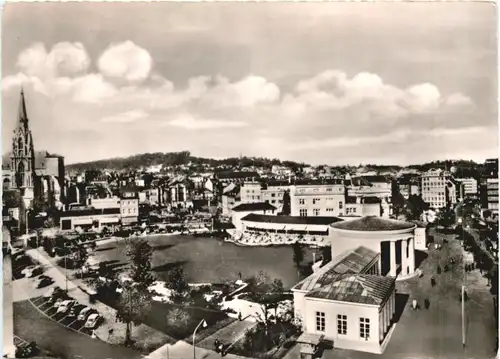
(173, 159)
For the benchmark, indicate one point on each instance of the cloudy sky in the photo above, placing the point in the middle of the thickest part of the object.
(336, 83)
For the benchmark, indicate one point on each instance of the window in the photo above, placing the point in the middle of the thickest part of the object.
(342, 324)
(340, 205)
(303, 212)
(316, 211)
(273, 194)
(302, 201)
(316, 200)
(329, 189)
(364, 328)
(320, 321)
(273, 201)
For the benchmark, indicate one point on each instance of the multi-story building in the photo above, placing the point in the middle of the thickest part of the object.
(102, 203)
(469, 186)
(491, 166)
(310, 198)
(492, 190)
(438, 188)
(273, 193)
(251, 192)
(231, 197)
(129, 205)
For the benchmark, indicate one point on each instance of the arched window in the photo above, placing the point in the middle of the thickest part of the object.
(20, 146)
(20, 175)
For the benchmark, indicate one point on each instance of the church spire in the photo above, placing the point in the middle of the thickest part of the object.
(22, 114)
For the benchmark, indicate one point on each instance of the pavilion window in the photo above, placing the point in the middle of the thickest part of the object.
(342, 324)
(320, 321)
(364, 328)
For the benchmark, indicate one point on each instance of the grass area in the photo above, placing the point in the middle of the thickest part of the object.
(179, 321)
(31, 325)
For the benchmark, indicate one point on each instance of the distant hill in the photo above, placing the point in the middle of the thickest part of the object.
(175, 159)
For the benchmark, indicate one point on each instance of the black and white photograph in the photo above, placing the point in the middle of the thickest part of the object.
(268, 180)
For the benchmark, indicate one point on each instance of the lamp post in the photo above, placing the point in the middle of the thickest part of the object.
(204, 324)
(26, 218)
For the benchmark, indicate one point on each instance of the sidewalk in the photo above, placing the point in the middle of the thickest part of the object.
(183, 350)
(228, 334)
(144, 336)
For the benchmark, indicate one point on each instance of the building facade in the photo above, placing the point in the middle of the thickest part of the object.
(438, 188)
(317, 199)
(470, 187)
(129, 206)
(251, 192)
(492, 190)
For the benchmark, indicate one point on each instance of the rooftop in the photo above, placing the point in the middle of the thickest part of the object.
(258, 206)
(355, 288)
(236, 174)
(252, 217)
(373, 224)
(350, 262)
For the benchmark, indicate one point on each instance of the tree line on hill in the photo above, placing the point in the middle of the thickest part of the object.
(465, 168)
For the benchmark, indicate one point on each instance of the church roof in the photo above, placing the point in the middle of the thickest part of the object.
(373, 224)
(22, 113)
(40, 157)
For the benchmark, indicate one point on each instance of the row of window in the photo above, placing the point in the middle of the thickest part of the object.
(317, 200)
(364, 325)
(129, 211)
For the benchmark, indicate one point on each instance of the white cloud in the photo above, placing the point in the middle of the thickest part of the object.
(190, 123)
(126, 117)
(126, 60)
(92, 89)
(64, 59)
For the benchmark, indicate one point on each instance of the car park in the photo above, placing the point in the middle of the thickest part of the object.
(57, 303)
(65, 306)
(92, 321)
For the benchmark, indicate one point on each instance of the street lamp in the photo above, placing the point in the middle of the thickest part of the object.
(26, 215)
(204, 324)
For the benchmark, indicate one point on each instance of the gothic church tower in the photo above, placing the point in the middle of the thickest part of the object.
(23, 155)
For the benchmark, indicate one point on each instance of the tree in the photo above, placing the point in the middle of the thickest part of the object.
(326, 254)
(178, 318)
(286, 203)
(415, 207)
(398, 201)
(140, 253)
(176, 282)
(268, 294)
(132, 306)
(298, 254)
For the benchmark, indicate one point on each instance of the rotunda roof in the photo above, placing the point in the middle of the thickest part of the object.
(373, 224)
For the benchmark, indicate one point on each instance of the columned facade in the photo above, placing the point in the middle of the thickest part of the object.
(394, 240)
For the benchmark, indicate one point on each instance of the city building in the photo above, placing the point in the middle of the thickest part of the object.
(251, 192)
(312, 198)
(346, 302)
(88, 218)
(491, 167)
(438, 188)
(244, 209)
(273, 192)
(104, 203)
(492, 191)
(236, 176)
(231, 196)
(129, 205)
(470, 186)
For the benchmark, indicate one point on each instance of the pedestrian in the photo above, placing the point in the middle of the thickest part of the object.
(427, 303)
(239, 275)
(414, 304)
(439, 269)
(216, 345)
(433, 281)
(446, 268)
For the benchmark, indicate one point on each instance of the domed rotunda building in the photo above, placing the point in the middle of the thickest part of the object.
(393, 240)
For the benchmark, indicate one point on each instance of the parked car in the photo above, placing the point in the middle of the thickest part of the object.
(75, 310)
(92, 321)
(57, 303)
(43, 281)
(85, 312)
(65, 306)
(50, 293)
(31, 271)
